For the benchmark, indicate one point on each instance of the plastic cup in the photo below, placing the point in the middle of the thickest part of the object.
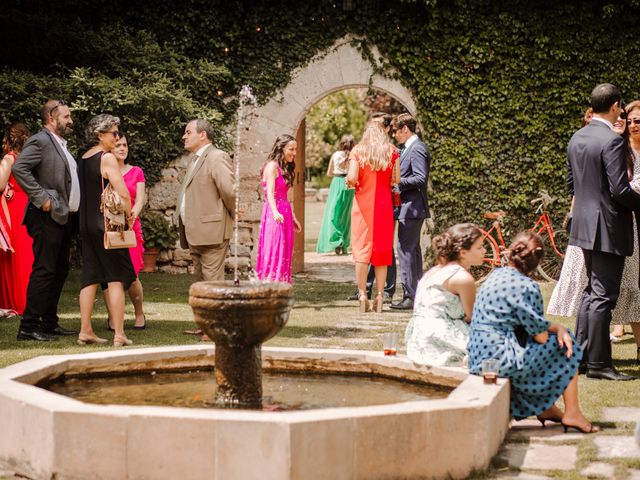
(390, 343)
(490, 368)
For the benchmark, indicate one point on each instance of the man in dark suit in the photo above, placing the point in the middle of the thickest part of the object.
(414, 174)
(601, 225)
(47, 173)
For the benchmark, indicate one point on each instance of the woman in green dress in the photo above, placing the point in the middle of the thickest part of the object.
(335, 232)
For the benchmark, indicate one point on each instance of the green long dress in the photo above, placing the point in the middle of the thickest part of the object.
(336, 219)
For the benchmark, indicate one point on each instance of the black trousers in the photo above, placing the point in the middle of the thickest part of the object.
(51, 245)
(604, 273)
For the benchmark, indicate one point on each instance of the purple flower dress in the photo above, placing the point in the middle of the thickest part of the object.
(275, 246)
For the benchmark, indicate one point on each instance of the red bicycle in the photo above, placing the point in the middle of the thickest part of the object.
(555, 243)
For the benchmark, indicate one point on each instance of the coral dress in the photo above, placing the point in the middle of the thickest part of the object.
(15, 267)
(275, 246)
(132, 177)
(372, 214)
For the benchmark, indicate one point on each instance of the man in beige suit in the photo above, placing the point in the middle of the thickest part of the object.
(206, 202)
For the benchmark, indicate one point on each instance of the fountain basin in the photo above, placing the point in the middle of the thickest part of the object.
(45, 435)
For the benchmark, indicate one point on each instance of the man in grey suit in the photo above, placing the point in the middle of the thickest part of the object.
(47, 173)
(414, 174)
(602, 224)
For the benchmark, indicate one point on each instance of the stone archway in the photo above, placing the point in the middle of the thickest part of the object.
(337, 68)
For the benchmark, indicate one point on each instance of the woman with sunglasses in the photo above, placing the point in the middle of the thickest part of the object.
(16, 254)
(540, 358)
(567, 293)
(98, 167)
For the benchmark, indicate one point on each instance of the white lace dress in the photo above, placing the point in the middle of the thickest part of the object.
(567, 293)
(437, 333)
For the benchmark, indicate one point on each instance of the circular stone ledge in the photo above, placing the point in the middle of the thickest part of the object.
(46, 435)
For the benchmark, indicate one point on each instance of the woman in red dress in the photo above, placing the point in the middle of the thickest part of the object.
(373, 170)
(15, 266)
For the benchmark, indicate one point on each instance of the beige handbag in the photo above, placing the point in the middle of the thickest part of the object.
(112, 208)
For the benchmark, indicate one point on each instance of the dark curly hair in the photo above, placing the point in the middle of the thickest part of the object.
(14, 138)
(459, 237)
(277, 154)
(523, 256)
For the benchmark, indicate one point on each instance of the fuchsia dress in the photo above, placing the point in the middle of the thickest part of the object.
(275, 247)
(132, 177)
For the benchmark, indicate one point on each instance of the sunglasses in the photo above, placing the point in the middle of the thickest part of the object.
(633, 121)
(59, 103)
(116, 133)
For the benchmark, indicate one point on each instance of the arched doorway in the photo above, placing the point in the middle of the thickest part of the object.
(341, 66)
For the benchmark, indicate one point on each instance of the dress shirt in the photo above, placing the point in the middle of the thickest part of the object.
(74, 196)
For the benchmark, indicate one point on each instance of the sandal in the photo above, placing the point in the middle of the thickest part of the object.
(592, 428)
(144, 324)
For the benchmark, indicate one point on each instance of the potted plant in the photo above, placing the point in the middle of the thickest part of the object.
(159, 234)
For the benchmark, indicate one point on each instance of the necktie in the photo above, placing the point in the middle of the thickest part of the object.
(187, 178)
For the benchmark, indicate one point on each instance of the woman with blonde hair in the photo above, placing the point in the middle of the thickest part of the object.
(372, 171)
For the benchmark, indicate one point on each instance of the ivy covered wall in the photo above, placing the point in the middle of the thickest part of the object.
(500, 86)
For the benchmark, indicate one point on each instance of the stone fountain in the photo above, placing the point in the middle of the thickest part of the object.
(239, 318)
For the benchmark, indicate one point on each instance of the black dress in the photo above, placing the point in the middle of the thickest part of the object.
(99, 265)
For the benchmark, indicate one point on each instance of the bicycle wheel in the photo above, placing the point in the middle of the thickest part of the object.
(490, 261)
(551, 264)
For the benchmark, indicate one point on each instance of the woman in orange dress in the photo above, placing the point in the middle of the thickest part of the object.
(15, 266)
(373, 170)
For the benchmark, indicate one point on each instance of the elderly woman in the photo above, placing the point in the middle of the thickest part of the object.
(539, 358)
(99, 167)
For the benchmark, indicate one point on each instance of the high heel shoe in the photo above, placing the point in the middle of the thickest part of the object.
(592, 428)
(549, 419)
(144, 324)
(84, 339)
(638, 357)
(121, 341)
(364, 302)
(378, 302)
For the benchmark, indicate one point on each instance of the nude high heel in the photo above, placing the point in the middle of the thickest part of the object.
(378, 302)
(121, 341)
(84, 339)
(364, 302)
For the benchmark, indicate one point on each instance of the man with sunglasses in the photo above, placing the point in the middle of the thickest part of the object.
(47, 173)
(602, 224)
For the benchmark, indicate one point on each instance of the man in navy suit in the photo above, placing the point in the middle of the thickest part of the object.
(414, 174)
(602, 224)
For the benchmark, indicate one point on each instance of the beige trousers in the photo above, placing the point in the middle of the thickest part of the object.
(208, 260)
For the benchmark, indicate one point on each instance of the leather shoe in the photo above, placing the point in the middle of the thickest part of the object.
(582, 369)
(405, 304)
(37, 335)
(60, 331)
(608, 374)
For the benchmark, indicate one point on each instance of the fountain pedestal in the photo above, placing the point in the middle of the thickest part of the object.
(239, 319)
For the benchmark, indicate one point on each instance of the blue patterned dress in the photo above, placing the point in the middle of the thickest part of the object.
(539, 372)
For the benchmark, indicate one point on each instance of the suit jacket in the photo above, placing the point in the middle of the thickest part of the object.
(597, 176)
(414, 174)
(209, 201)
(43, 172)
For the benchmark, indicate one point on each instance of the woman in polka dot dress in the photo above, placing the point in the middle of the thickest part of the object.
(539, 358)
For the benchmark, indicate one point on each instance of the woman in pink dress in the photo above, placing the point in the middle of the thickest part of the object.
(135, 182)
(278, 223)
(17, 260)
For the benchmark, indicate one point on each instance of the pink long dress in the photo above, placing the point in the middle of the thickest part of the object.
(132, 177)
(275, 247)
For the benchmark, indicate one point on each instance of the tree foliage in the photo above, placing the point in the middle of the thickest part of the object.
(499, 86)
